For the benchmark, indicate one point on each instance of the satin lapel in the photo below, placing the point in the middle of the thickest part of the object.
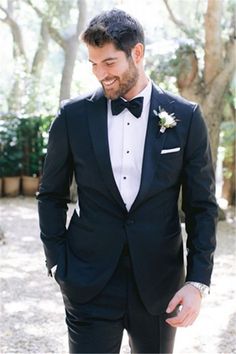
(153, 143)
(97, 117)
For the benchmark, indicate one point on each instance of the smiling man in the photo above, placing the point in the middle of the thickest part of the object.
(117, 73)
(132, 146)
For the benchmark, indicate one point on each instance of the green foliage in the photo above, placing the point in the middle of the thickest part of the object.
(61, 12)
(227, 141)
(180, 58)
(23, 145)
(33, 139)
(11, 154)
(165, 67)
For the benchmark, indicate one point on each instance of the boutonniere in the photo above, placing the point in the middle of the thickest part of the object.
(166, 120)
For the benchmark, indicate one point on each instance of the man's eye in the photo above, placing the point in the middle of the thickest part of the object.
(110, 64)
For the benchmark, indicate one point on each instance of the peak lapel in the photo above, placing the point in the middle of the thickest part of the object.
(97, 117)
(153, 143)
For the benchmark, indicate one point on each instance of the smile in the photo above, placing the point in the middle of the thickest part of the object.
(108, 83)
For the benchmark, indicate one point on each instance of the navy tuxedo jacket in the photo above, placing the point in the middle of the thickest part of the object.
(87, 253)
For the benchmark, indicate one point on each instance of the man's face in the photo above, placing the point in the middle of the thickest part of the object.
(117, 73)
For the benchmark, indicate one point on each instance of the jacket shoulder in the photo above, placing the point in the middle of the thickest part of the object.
(76, 101)
(179, 100)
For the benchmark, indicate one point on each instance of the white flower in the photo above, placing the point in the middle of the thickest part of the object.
(166, 120)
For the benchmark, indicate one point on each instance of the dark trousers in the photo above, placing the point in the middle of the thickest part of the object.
(97, 326)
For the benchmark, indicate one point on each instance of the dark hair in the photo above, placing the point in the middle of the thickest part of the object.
(114, 26)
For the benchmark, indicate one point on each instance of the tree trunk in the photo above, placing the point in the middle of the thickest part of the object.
(213, 43)
(25, 81)
(228, 191)
(209, 88)
(213, 120)
(19, 55)
(41, 52)
(71, 47)
(14, 98)
(212, 112)
(37, 68)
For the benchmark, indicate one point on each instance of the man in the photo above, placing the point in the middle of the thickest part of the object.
(131, 146)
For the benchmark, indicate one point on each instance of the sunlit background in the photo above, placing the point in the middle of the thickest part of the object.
(181, 45)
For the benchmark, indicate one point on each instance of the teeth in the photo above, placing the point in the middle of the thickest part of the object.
(110, 82)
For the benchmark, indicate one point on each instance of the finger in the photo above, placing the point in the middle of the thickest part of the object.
(191, 320)
(175, 301)
(182, 317)
(176, 323)
(179, 323)
(188, 321)
(185, 321)
(179, 319)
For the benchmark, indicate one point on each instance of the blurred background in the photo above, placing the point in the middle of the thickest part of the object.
(190, 50)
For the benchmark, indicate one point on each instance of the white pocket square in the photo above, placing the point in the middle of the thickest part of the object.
(169, 151)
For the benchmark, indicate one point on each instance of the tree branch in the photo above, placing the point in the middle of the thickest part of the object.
(4, 10)
(41, 51)
(176, 21)
(221, 81)
(188, 70)
(56, 36)
(52, 30)
(16, 34)
(82, 16)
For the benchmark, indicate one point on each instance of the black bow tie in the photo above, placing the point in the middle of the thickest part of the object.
(135, 106)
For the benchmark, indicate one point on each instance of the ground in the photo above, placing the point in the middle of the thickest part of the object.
(32, 314)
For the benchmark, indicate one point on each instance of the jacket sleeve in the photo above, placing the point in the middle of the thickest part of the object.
(54, 190)
(199, 202)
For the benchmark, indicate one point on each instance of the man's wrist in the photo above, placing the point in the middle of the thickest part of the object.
(203, 289)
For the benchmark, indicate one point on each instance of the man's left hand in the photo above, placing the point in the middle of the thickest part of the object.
(190, 300)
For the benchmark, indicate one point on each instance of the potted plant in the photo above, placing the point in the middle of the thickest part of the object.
(33, 140)
(1, 169)
(11, 156)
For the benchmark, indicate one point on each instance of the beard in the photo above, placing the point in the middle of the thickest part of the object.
(123, 84)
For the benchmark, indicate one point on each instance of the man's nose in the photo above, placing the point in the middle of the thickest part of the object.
(100, 73)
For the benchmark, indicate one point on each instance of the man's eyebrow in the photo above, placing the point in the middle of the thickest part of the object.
(107, 59)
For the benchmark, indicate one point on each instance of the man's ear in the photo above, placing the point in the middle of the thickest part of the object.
(137, 53)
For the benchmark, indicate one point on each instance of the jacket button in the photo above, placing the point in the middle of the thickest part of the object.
(129, 222)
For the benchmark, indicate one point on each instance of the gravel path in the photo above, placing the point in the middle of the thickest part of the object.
(32, 313)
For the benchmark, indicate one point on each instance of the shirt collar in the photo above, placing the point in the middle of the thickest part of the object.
(146, 94)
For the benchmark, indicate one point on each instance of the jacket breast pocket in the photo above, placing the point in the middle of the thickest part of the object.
(169, 167)
(170, 153)
(172, 156)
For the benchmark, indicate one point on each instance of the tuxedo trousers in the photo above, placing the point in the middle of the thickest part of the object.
(97, 326)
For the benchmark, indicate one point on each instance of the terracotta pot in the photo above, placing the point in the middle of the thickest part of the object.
(0, 187)
(11, 186)
(30, 185)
